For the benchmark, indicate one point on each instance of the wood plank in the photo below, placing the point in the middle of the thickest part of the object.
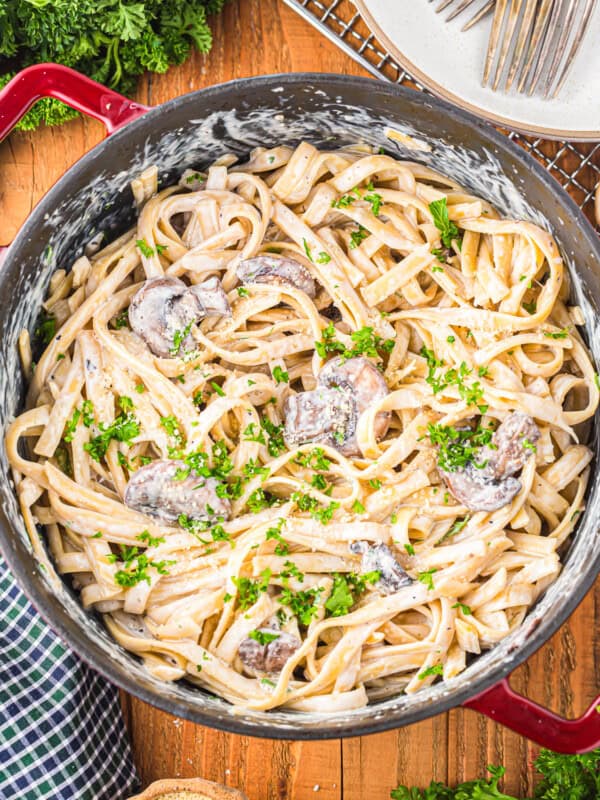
(257, 37)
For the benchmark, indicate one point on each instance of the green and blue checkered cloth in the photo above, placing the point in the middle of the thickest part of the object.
(61, 730)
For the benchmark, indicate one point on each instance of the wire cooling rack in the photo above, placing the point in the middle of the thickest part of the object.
(575, 165)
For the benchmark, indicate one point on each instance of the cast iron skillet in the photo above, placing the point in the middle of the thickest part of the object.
(190, 131)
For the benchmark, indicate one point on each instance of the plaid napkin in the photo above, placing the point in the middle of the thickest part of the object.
(61, 730)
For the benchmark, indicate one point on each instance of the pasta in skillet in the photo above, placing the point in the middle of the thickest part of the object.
(310, 434)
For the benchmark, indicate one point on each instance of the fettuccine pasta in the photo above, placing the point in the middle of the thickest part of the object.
(313, 432)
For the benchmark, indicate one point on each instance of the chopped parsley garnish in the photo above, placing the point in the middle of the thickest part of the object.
(562, 334)
(301, 604)
(242, 291)
(217, 389)
(448, 230)
(97, 535)
(307, 249)
(124, 428)
(465, 609)
(144, 248)
(275, 444)
(281, 548)
(148, 539)
(440, 255)
(260, 499)
(375, 483)
(140, 388)
(178, 339)
(472, 393)
(357, 507)
(313, 459)
(529, 445)
(456, 527)
(290, 570)
(213, 527)
(249, 589)
(252, 468)
(375, 201)
(262, 637)
(254, 434)
(346, 590)
(365, 343)
(135, 567)
(71, 426)
(435, 670)
(322, 514)
(426, 577)
(356, 237)
(280, 375)
(458, 447)
(531, 307)
(124, 403)
(323, 258)
(122, 320)
(46, 327)
(409, 549)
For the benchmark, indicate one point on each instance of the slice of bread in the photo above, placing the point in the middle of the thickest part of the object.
(189, 789)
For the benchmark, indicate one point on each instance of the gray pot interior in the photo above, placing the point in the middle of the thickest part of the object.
(192, 131)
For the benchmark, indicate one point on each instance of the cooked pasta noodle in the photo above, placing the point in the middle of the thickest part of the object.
(312, 570)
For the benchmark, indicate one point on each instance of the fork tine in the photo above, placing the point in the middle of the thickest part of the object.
(509, 32)
(494, 38)
(548, 45)
(521, 44)
(479, 15)
(444, 4)
(566, 30)
(459, 8)
(580, 33)
(539, 28)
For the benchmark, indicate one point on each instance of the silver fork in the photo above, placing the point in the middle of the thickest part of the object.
(539, 40)
(462, 5)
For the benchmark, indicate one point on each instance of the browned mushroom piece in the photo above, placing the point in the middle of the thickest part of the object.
(323, 415)
(155, 490)
(163, 310)
(277, 270)
(478, 490)
(212, 298)
(360, 378)
(271, 656)
(486, 483)
(379, 558)
(513, 442)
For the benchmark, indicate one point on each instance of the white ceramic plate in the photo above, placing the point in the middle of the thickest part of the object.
(450, 64)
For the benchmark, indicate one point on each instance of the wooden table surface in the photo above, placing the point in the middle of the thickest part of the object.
(254, 37)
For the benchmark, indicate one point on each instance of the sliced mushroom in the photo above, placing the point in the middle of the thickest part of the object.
(323, 415)
(269, 657)
(155, 490)
(212, 298)
(278, 270)
(365, 383)
(379, 558)
(491, 485)
(164, 308)
(478, 490)
(513, 442)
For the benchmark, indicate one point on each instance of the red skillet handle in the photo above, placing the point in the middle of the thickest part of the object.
(74, 89)
(537, 723)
